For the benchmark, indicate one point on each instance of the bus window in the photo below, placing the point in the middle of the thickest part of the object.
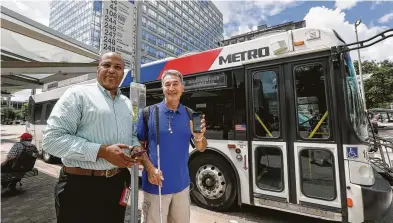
(154, 98)
(269, 174)
(125, 91)
(239, 117)
(354, 100)
(49, 108)
(265, 102)
(317, 176)
(311, 101)
(218, 107)
(37, 114)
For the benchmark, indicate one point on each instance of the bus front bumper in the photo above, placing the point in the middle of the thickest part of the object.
(377, 199)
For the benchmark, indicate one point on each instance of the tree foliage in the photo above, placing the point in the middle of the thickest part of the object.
(379, 87)
(23, 111)
(8, 113)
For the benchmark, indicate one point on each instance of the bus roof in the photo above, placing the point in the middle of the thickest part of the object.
(277, 45)
(58, 92)
(264, 48)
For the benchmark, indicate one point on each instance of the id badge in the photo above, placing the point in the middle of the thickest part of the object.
(125, 196)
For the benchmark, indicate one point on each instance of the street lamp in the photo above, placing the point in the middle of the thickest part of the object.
(357, 23)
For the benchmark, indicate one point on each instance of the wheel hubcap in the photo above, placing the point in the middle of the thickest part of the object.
(210, 181)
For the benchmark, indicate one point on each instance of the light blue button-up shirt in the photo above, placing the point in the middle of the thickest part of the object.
(83, 119)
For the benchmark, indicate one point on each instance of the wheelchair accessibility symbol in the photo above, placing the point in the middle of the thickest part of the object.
(352, 152)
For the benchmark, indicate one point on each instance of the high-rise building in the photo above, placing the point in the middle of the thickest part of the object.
(169, 28)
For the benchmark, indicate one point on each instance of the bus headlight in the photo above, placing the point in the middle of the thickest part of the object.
(361, 173)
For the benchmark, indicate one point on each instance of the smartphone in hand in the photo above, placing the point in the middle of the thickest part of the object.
(137, 152)
(197, 121)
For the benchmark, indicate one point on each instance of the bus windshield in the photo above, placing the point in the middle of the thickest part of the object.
(354, 99)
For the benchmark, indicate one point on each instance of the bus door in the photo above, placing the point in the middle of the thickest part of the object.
(294, 156)
(268, 147)
(312, 148)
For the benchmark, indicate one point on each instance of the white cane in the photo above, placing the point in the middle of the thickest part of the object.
(158, 158)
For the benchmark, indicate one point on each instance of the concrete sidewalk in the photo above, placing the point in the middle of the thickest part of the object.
(35, 202)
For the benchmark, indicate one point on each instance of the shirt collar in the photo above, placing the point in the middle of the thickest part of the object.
(164, 108)
(106, 92)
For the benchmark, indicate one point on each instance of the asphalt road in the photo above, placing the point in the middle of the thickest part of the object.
(40, 189)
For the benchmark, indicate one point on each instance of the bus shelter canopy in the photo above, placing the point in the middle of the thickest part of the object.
(33, 54)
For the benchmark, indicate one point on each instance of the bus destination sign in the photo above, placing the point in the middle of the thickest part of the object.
(203, 82)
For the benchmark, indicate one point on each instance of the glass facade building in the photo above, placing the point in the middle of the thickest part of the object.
(169, 28)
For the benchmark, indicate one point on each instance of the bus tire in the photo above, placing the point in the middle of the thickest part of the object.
(214, 182)
(48, 158)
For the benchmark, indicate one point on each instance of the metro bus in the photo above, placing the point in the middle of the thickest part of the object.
(286, 126)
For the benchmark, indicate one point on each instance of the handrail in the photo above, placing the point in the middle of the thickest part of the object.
(318, 125)
(263, 125)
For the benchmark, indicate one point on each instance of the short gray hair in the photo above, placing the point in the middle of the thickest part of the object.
(171, 72)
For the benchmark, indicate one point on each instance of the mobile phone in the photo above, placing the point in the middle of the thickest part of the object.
(139, 153)
(197, 121)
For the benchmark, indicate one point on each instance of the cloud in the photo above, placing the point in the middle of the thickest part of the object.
(335, 19)
(240, 16)
(345, 4)
(38, 11)
(386, 18)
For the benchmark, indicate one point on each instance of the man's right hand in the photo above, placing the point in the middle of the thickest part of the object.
(155, 177)
(115, 155)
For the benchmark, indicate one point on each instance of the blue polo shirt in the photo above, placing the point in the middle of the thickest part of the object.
(173, 148)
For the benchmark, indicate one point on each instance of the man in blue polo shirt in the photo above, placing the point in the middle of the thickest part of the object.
(175, 134)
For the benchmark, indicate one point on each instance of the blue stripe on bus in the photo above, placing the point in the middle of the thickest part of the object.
(127, 80)
(151, 72)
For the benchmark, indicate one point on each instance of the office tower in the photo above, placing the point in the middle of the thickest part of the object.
(169, 28)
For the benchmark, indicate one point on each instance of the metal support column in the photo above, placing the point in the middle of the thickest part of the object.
(136, 74)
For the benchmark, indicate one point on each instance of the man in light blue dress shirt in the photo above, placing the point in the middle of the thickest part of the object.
(90, 129)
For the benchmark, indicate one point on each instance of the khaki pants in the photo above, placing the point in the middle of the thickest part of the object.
(175, 207)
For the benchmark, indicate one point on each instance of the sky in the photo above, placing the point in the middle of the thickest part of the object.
(244, 16)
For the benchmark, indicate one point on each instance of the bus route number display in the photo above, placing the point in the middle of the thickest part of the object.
(109, 25)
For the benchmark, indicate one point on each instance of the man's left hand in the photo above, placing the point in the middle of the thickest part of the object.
(198, 135)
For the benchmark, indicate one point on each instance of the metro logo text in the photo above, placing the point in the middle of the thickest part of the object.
(245, 55)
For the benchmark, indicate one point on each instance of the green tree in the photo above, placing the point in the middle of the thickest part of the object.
(368, 67)
(8, 113)
(379, 87)
(23, 111)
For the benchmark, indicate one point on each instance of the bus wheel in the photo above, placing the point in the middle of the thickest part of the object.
(214, 183)
(48, 158)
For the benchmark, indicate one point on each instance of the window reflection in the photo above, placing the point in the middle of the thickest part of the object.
(269, 168)
(223, 107)
(311, 101)
(317, 173)
(266, 107)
